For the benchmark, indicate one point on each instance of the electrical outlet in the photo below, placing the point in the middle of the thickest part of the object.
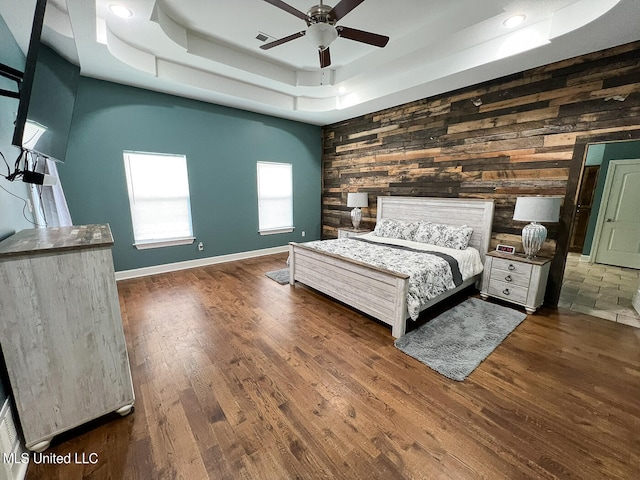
(200, 246)
(303, 233)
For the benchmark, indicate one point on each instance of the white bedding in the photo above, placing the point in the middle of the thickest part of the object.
(468, 260)
(432, 270)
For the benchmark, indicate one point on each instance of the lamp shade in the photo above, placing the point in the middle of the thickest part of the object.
(537, 209)
(358, 199)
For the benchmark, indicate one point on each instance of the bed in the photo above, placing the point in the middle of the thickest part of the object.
(380, 292)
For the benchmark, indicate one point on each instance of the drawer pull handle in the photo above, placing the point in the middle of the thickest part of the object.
(506, 291)
(511, 267)
(508, 278)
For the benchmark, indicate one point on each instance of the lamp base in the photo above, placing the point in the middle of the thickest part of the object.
(356, 217)
(533, 237)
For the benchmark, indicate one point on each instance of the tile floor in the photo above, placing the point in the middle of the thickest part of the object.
(600, 290)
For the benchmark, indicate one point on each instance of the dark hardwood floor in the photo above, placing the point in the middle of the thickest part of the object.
(238, 377)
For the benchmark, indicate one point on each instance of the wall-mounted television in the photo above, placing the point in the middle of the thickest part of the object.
(47, 96)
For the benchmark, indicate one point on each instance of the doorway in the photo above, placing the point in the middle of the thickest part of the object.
(599, 290)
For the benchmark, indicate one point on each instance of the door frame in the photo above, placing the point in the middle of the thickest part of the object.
(604, 203)
(579, 191)
(581, 142)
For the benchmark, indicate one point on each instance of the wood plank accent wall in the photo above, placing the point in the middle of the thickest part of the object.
(526, 136)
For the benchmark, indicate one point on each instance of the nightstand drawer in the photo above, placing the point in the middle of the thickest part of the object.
(513, 278)
(508, 291)
(351, 232)
(512, 266)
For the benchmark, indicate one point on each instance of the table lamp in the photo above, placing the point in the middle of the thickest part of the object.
(534, 210)
(357, 200)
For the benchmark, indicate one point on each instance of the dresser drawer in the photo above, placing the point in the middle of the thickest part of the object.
(514, 277)
(512, 266)
(508, 291)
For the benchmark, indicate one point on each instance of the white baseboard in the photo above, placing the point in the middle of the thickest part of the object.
(585, 258)
(201, 262)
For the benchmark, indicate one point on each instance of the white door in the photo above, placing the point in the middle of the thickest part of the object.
(619, 240)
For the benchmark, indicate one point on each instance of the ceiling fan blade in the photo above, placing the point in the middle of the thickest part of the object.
(288, 8)
(362, 36)
(344, 7)
(325, 58)
(275, 43)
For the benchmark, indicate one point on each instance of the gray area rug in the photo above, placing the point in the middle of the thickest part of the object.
(281, 276)
(458, 340)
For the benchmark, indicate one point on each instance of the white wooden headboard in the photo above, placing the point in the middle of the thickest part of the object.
(475, 213)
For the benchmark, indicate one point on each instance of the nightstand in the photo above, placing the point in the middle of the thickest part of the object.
(352, 232)
(515, 278)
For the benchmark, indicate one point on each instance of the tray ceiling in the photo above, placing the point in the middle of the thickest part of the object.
(209, 50)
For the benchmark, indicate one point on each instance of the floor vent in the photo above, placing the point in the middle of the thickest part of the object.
(13, 464)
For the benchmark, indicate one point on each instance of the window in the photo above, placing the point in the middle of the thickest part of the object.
(275, 198)
(32, 133)
(159, 199)
(49, 203)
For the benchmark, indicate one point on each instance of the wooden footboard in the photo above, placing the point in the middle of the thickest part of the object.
(383, 293)
(374, 291)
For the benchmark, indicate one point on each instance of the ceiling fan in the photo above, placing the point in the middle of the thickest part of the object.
(322, 30)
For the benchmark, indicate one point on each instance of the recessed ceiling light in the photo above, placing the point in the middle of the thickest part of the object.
(121, 11)
(514, 20)
(342, 90)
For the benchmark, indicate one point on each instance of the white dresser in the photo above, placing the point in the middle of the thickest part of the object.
(515, 278)
(61, 330)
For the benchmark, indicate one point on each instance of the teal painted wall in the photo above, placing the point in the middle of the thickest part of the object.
(222, 146)
(595, 153)
(14, 216)
(611, 151)
(11, 207)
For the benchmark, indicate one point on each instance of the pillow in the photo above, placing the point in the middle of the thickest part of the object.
(390, 228)
(443, 235)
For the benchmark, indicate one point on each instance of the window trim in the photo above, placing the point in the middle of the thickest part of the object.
(171, 242)
(164, 242)
(276, 230)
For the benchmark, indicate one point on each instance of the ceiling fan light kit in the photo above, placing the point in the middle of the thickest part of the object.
(321, 35)
(322, 30)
